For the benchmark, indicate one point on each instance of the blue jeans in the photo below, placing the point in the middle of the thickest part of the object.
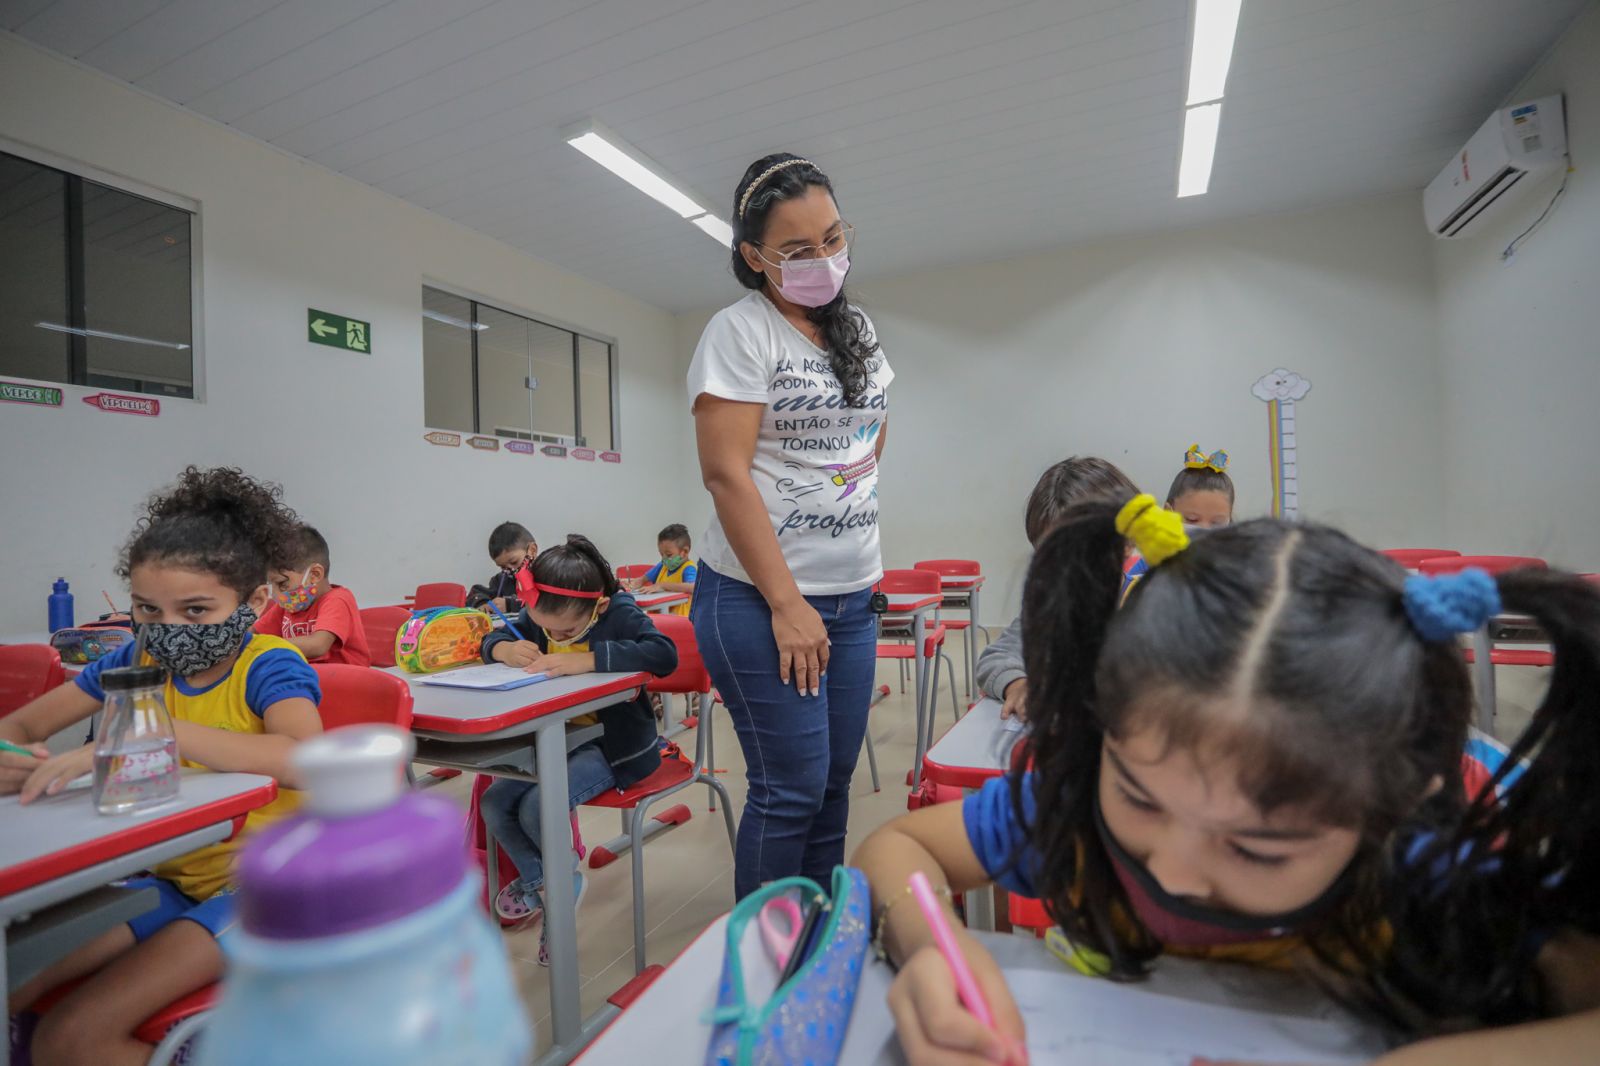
(511, 810)
(800, 751)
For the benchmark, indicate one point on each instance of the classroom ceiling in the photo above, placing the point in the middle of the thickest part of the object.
(954, 130)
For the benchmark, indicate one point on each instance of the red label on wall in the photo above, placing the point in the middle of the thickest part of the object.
(555, 451)
(448, 440)
(126, 405)
(586, 454)
(611, 457)
(522, 447)
(484, 444)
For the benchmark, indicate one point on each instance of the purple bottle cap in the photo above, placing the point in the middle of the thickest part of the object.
(365, 852)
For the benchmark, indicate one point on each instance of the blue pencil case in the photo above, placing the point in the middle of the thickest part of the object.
(758, 1022)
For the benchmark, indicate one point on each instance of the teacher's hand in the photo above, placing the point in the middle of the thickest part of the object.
(802, 646)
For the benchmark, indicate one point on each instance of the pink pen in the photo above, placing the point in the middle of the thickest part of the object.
(945, 938)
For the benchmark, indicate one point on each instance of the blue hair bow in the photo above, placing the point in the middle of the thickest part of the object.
(1441, 607)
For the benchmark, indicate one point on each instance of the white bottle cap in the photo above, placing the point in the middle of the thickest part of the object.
(354, 770)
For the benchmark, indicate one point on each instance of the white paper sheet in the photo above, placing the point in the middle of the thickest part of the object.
(1092, 1021)
(487, 676)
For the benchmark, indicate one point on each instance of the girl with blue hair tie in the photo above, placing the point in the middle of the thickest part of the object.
(1260, 758)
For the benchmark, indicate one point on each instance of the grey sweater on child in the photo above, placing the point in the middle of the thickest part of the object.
(1000, 663)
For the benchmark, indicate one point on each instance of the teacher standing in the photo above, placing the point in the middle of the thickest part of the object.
(788, 392)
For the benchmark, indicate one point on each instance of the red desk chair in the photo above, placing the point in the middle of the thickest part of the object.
(969, 625)
(167, 1031)
(674, 775)
(1410, 557)
(28, 671)
(633, 570)
(358, 695)
(439, 594)
(381, 625)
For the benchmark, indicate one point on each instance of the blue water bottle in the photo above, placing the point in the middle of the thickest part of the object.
(362, 938)
(60, 606)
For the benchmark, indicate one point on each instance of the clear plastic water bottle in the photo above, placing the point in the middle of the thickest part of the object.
(361, 937)
(60, 606)
(136, 750)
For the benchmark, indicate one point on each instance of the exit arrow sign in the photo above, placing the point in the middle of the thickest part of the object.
(337, 331)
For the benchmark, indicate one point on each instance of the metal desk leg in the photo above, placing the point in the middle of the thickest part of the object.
(560, 923)
(972, 643)
(919, 634)
(1483, 669)
(5, 986)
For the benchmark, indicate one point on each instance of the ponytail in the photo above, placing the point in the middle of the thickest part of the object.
(577, 565)
(1522, 860)
(1068, 606)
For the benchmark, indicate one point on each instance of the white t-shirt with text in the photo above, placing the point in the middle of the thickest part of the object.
(815, 460)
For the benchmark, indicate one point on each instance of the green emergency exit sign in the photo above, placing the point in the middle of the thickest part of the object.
(337, 331)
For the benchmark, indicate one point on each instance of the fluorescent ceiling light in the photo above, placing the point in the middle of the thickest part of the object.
(1215, 24)
(106, 335)
(715, 228)
(1199, 146)
(607, 149)
(452, 320)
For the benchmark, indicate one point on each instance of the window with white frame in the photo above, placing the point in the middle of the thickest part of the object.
(491, 371)
(96, 283)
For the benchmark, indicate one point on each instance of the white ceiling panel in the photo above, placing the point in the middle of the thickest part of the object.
(955, 130)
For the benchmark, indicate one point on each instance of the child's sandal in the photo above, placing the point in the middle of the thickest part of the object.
(512, 905)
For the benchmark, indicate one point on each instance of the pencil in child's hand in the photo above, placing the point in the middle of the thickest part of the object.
(507, 621)
(945, 939)
(109, 604)
(16, 749)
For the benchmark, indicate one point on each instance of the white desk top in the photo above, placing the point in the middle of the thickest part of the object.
(454, 710)
(960, 581)
(975, 749)
(59, 835)
(679, 999)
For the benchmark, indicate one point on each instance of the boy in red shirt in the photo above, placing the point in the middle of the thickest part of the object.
(319, 618)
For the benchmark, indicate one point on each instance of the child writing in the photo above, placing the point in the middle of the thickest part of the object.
(1202, 493)
(576, 621)
(197, 567)
(675, 572)
(1000, 671)
(512, 548)
(1259, 758)
(310, 612)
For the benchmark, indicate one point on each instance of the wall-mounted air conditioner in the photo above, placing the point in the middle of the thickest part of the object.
(1517, 142)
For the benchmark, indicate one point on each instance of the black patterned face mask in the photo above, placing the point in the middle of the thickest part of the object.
(188, 649)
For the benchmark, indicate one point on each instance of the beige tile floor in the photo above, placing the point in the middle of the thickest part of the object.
(689, 869)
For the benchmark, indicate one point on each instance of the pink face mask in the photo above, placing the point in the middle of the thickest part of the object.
(814, 282)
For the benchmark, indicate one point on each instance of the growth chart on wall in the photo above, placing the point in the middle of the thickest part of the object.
(1280, 390)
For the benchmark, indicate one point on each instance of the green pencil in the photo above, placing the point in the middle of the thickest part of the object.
(6, 745)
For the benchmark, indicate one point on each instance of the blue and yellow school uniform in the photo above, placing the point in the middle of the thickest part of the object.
(685, 573)
(268, 670)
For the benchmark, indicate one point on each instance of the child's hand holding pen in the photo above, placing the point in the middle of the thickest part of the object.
(17, 764)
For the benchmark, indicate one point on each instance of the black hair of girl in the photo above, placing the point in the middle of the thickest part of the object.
(220, 521)
(577, 565)
(1288, 648)
(844, 331)
(1202, 480)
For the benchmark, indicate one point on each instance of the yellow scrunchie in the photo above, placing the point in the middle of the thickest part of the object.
(1158, 534)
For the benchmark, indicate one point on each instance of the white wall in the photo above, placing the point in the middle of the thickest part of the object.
(1135, 349)
(1520, 347)
(342, 432)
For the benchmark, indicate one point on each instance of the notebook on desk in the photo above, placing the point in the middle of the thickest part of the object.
(491, 677)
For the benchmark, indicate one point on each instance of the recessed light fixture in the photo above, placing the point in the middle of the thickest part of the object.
(1216, 25)
(1199, 147)
(56, 327)
(640, 171)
